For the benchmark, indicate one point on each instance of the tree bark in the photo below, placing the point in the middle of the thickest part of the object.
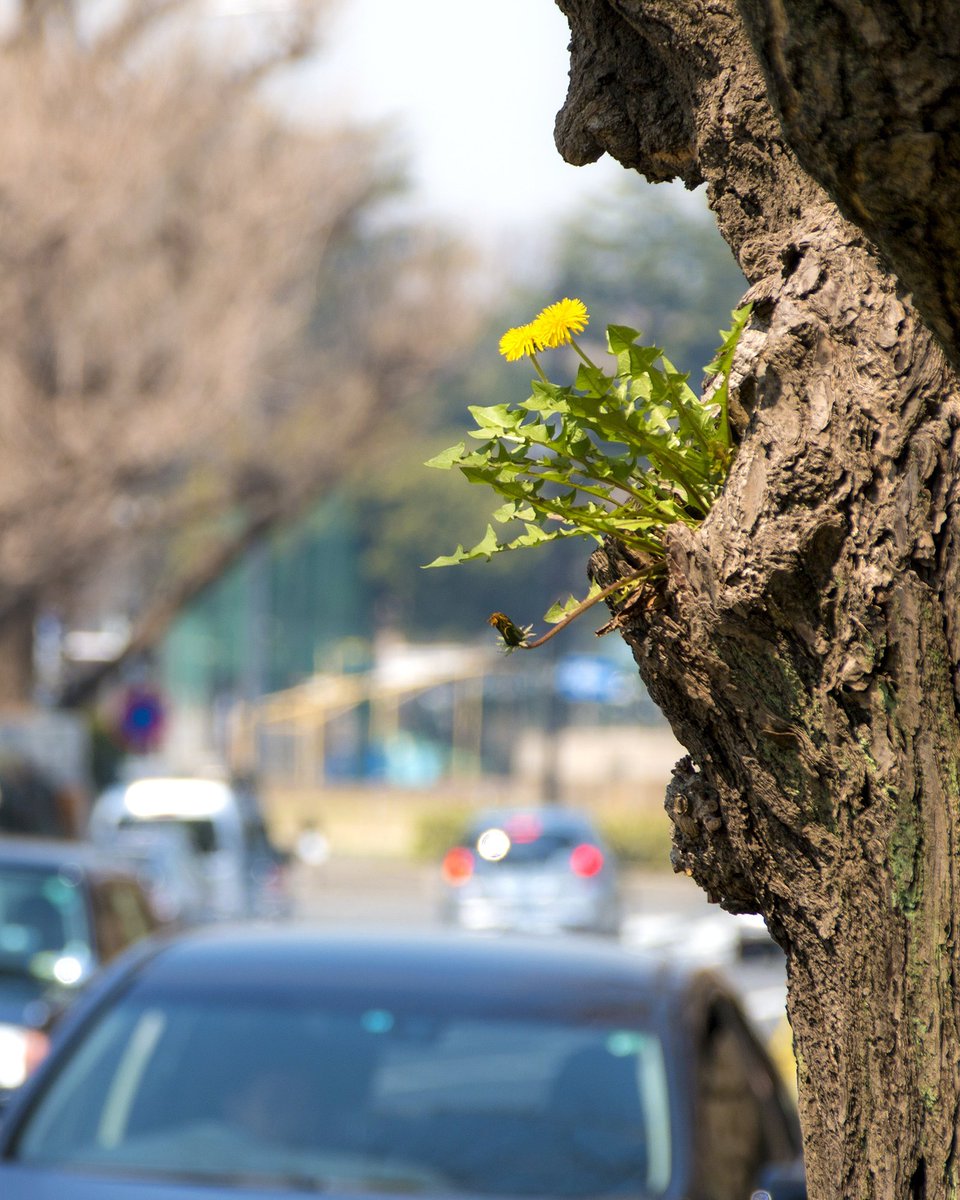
(805, 643)
(867, 96)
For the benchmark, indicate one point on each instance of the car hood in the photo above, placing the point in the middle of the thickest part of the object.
(42, 1183)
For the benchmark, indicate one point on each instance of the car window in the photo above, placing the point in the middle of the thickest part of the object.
(375, 1098)
(741, 1124)
(201, 831)
(44, 924)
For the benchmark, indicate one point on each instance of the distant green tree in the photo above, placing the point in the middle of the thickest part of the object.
(413, 511)
(651, 258)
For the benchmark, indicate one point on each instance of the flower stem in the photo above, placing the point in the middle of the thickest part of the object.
(586, 358)
(538, 369)
(625, 582)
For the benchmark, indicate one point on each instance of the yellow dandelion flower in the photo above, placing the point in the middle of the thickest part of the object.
(519, 343)
(557, 322)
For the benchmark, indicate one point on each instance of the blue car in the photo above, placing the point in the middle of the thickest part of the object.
(274, 1063)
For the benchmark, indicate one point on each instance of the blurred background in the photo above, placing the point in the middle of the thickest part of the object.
(256, 258)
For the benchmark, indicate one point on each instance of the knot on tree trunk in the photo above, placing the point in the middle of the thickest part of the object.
(700, 846)
(650, 129)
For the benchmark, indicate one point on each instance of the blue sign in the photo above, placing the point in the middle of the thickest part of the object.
(591, 679)
(142, 719)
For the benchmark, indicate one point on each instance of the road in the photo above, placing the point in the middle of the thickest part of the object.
(348, 891)
(662, 913)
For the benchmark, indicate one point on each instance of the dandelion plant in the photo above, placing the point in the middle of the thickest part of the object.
(623, 453)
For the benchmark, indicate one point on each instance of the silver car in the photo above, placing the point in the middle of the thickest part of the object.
(531, 870)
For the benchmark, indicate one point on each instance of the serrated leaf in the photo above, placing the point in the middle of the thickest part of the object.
(447, 458)
(592, 381)
(513, 510)
(447, 560)
(546, 398)
(621, 337)
(556, 612)
(536, 535)
(495, 417)
(506, 512)
(485, 548)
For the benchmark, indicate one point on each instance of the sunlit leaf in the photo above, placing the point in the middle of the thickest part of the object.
(621, 337)
(446, 458)
(556, 612)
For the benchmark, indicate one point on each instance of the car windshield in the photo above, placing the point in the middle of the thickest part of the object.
(362, 1099)
(200, 832)
(44, 926)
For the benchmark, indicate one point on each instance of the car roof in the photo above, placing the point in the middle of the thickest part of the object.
(577, 979)
(170, 796)
(57, 854)
(549, 818)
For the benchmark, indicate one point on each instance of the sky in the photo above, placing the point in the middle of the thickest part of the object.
(474, 89)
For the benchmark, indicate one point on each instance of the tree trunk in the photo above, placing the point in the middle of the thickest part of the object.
(804, 646)
(868, 97)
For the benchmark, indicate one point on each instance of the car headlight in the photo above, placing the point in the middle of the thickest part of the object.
(22, 1050)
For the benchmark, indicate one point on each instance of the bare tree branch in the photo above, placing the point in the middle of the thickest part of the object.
(176, 333)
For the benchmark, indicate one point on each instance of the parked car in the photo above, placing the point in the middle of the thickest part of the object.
(31, 803)
(163, 859)
(64, 910)
(536, 870)
(276, 1062)
(242, 873)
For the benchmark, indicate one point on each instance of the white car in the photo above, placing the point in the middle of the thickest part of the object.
(170, 870)
(204, 811)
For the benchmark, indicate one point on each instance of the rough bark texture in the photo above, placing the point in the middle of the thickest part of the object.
(806, 643)
(869, 100)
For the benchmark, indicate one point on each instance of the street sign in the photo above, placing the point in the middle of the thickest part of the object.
(589, 678)
(142, 719)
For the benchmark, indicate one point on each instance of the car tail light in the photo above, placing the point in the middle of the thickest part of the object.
(586, 860)
(457, 866)
(37, 1049)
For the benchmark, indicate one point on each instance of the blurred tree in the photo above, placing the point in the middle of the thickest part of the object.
(183, 361)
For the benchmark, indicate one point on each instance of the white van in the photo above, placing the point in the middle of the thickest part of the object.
(206, 810)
